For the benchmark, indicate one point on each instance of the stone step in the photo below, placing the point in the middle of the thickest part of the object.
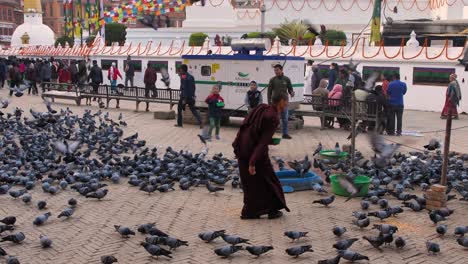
(165, 115)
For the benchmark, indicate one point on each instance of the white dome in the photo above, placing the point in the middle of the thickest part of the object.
(39, 34)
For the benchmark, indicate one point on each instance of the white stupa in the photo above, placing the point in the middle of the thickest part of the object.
(32, 32)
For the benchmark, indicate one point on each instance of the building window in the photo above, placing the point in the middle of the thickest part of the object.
(206, 70)
(106, 64)
(4, 12)
(10, 14)
(432, 76)
(157, 65)
(136, 65)
(387, 71)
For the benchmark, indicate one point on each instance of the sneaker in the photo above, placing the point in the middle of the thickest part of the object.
(217, 137)
(287, 136)
(177, 125)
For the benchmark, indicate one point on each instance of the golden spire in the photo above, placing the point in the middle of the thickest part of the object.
(32, 6)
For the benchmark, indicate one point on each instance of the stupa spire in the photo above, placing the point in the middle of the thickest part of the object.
(32, 6)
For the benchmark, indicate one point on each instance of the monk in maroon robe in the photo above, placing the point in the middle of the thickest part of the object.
(263, 193)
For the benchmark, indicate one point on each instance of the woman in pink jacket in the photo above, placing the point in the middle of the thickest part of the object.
(336, 93)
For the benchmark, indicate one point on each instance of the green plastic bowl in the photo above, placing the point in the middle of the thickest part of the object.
(220, 104)
(331, 155)
(276, 141)
(360, 181)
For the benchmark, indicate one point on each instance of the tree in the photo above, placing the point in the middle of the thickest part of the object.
(335, 37)
(296, 30)
(62, 41)
(115, 32)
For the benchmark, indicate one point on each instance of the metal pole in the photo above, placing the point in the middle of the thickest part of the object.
(262, 23)
(353, 129)
(448, 132)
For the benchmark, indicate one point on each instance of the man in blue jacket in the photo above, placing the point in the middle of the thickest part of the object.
(396, 91)
(187, 95)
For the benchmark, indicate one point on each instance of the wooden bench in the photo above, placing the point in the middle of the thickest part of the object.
(62, 91)
(337, 108)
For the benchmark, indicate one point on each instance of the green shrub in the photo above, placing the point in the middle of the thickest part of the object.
(197, 39)
(335, 37)
(115, 32)
(63, 40)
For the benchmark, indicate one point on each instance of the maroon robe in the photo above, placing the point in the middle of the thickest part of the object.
(263, 193)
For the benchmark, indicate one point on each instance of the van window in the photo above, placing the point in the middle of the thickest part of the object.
(206, 70)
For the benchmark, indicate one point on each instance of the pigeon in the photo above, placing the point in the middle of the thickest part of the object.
(435, 218)
(258, 250)
(17, 193)
(156, 232)
(66, 213)
(41, 205)
(12, 260)
(145, 228)
(382, 150)
(202, 139)
(16, 238)
(67, 147)
(351, 255)
(9, 220)
(295, 235)
(349, 186)
(318, 149)
(339, 231)
(45, 241)
(345, 243)
(226, 251)
(4, 102)
(299, 250)
(433, 144)
(445, 212)
(325, 201)
(381, 214)
(124, 231)
(375, 241)
(386, 229)
(156, 250)
(213, 189)
(234, 240)
(26, 198)
(4, 228)
(365, 205)
(460, 230)
(432, 247)
(174, 243)
(48, 104)
(361, 223)
(99, 194)
(210, 235)
(41, 219)
(441, 229)
(400, 242)
(108, 259)
(370, 81)
(334, 260)
(463, 241)
(360, 215)
(72, 202)
(18, 90)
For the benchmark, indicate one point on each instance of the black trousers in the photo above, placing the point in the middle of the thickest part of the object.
(395, 112)
(43, 85)
(152, 88)
(181, 106)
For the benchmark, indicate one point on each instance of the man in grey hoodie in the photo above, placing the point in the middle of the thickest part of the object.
(46, 73)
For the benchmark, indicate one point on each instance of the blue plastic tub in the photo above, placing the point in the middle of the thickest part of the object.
(291, 181)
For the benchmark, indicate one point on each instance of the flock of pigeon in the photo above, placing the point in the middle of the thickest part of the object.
(60, 151)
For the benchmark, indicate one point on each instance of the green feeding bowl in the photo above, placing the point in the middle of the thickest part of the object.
(276, 141)
(360, 181)
(220, 104)
(332, 156)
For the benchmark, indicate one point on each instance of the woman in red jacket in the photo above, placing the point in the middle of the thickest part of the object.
(112, 75)
(65, 77)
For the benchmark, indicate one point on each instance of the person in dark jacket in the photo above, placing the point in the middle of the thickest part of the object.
(187, 95)
(332, 76)
(15, 77)
(253, 97)
(46, 73)
(129, 72)
(82, 74)
(150, 83)
(54, 71)
(378, 97)
(316, 78)
(95, 75)
(3, 72)
(74, 72)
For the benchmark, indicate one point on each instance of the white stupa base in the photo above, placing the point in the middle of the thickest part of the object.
(222, 16)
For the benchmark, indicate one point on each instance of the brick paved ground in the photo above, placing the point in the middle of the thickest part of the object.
(90, 233)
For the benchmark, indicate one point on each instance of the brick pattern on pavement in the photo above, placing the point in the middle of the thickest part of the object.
(89, 233)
